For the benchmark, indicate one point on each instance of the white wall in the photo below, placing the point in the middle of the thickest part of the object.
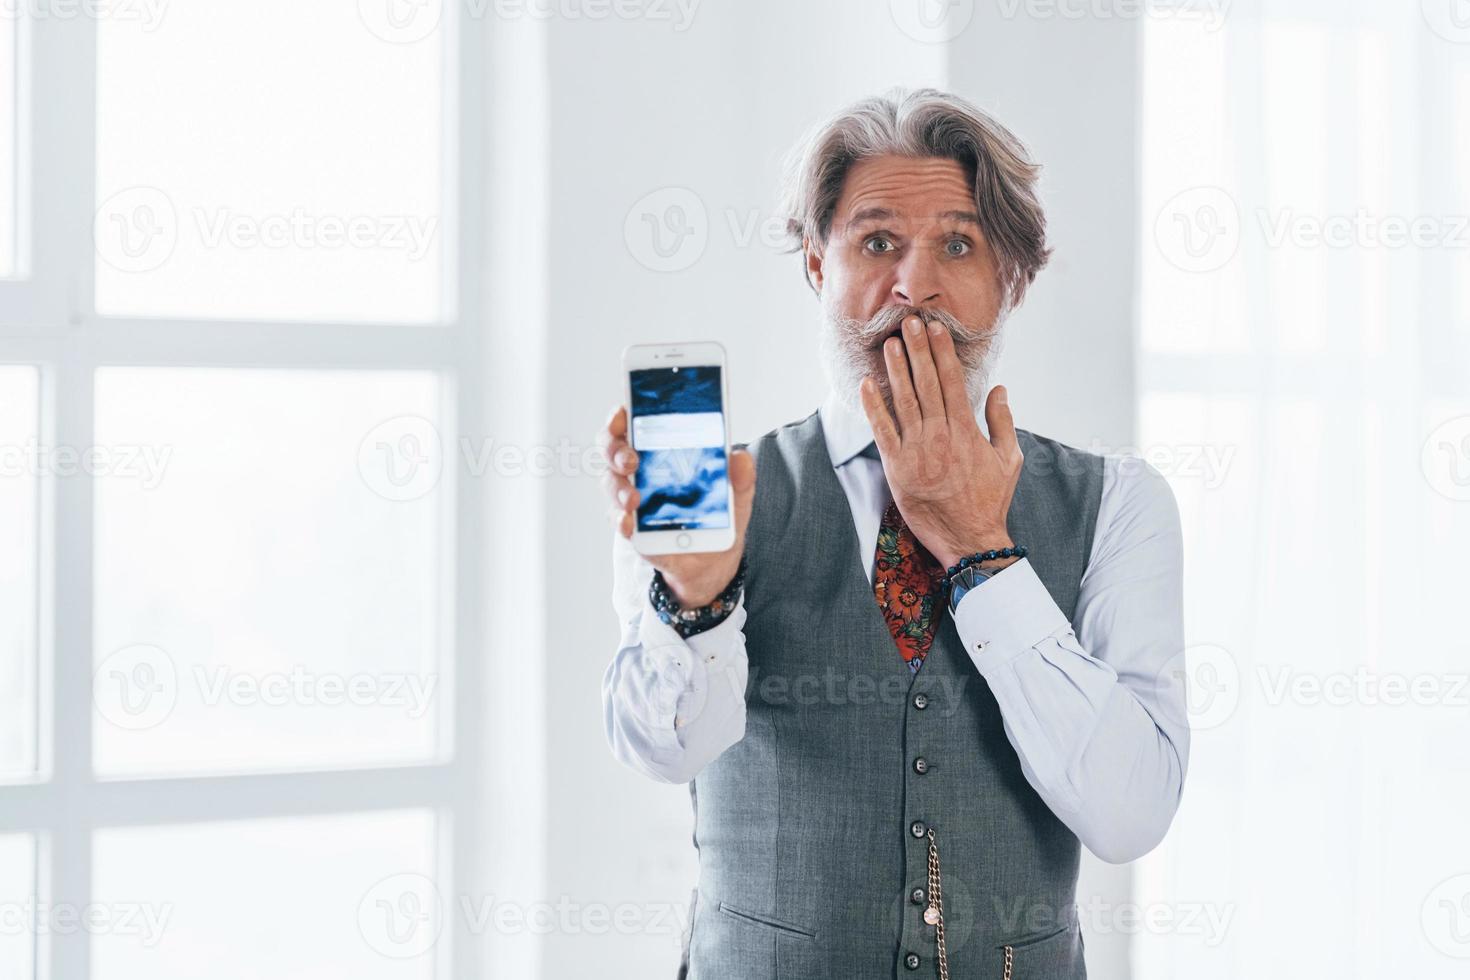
(1068, 87)
(637, 107)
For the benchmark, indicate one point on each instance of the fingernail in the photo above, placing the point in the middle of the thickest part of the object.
(915, 326)
(623, 496)
(934, 328)
(1005, 397)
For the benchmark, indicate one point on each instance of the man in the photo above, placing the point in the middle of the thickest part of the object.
(895, 760)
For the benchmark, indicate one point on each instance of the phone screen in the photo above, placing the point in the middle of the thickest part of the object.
(679, 432)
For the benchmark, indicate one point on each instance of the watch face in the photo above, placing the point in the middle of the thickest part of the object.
(963, 581)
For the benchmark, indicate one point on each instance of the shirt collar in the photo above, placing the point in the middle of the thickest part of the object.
(847, 430)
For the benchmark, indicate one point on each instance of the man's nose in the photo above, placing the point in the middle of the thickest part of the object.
(916, 280)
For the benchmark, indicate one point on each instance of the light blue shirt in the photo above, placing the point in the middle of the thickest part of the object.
(1095, 708)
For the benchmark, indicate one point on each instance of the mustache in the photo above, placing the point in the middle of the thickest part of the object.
(852, 348)
(888, 320)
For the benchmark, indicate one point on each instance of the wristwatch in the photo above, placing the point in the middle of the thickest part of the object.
(963, 581)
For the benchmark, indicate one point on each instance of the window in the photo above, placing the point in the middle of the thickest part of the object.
(1307, 255)
(360, 903)
(19, 556)
(218, 647)
(13, 52)
(232, 638)
(18, 886)
(271, 160)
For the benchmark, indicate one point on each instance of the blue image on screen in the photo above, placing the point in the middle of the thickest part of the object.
(686, 390)
(679, 433)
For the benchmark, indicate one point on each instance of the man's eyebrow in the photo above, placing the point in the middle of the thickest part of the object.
(968, 217)
(884, 214)
(871, 214)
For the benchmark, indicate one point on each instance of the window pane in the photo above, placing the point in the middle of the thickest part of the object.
(9, 141)
(20, 470)
(290, 898)
(266, 594)
(17, 905)
(268, 160)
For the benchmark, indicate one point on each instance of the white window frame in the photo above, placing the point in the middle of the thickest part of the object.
(48, 321)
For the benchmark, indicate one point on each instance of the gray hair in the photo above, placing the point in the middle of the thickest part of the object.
(925, 123)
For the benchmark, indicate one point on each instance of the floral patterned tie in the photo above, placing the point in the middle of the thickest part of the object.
(906, 583)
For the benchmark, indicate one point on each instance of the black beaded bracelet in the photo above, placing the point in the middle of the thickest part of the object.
(1019, 551)
(687, 622)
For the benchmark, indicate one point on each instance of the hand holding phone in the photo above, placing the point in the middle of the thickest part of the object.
(677, 491)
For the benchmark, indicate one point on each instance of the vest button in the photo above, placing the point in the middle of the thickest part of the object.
(911, 961)
(921, 765)
(917, 896)
(917, 828)
(921, 701)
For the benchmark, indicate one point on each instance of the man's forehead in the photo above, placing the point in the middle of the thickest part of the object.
(908, 190)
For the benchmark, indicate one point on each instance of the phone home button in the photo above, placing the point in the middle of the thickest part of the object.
(682, 541)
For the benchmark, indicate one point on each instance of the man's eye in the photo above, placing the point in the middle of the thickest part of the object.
(957, 246)
(879, 244)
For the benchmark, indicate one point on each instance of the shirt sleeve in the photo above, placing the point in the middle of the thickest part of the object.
(1096, 708)
(670, 705)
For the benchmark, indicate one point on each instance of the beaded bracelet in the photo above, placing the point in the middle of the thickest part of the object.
(687, 622)
(1019, 551)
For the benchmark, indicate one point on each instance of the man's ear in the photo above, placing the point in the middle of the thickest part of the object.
(813, 265)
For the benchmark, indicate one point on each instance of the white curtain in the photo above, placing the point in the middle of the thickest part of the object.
(1304, 372)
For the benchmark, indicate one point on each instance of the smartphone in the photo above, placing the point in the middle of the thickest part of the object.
(677, 425)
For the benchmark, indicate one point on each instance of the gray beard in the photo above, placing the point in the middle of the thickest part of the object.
(852, 349)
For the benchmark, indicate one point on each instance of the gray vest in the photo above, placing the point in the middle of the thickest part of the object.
(811, 829)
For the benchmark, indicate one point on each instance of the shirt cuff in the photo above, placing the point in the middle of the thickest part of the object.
(1006, 615)
(685, 665)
